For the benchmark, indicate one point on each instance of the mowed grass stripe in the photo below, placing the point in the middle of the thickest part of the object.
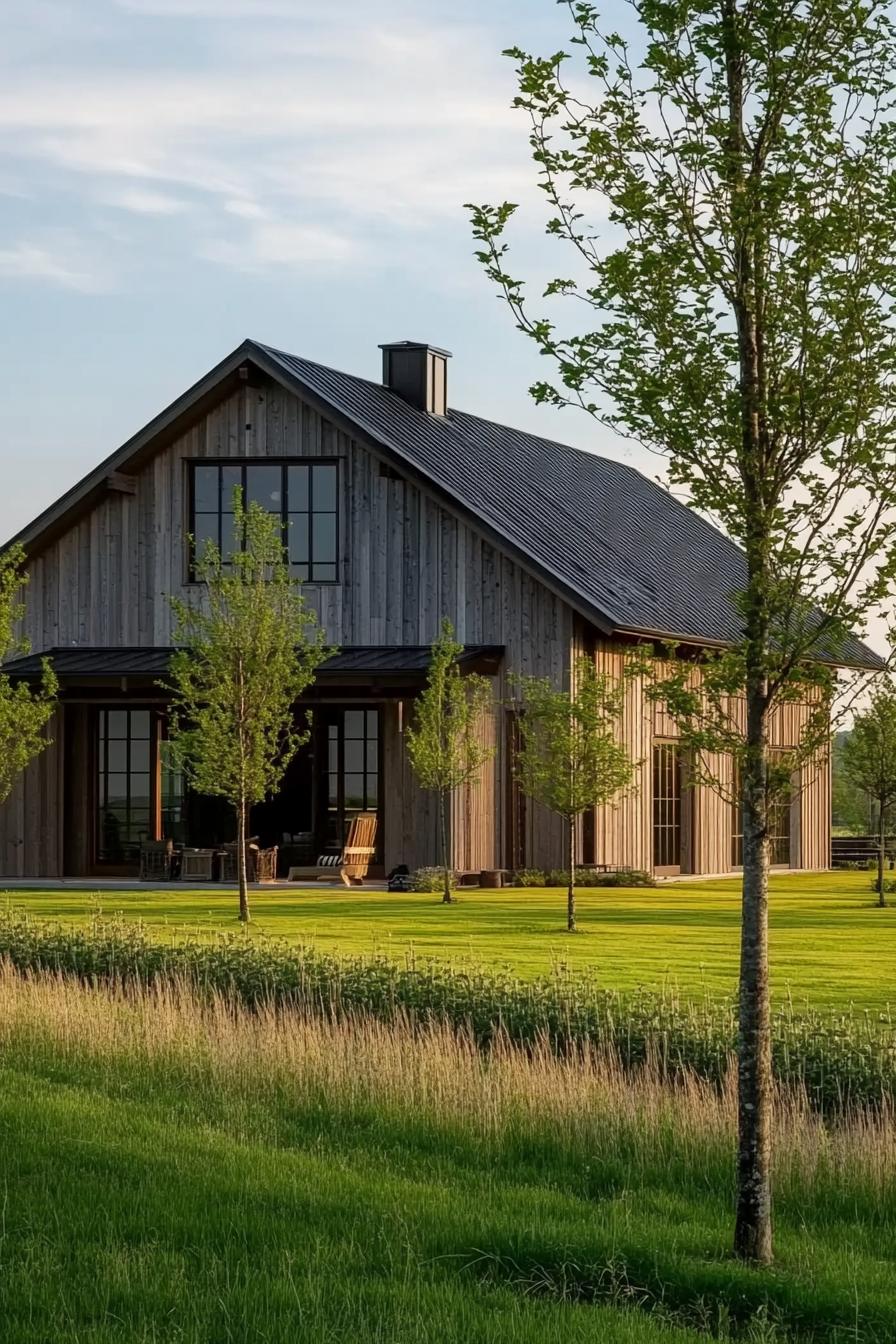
(830, 945)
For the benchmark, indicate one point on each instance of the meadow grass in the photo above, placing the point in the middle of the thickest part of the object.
(838, 1058)
(183, 1169)
(830, 945)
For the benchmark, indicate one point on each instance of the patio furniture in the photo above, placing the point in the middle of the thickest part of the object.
(261, 864)
(155, 860)
(352, 863)
(196, 865)
(266, 864)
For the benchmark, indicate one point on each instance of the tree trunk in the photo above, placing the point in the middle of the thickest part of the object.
(241, 862)
(752, 1234)
(571, 889)
(753, 1228)
(447, 898)
(881, 843)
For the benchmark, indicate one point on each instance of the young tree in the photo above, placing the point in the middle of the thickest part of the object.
(444, 749)
(869, 761)
(850, 805)
(570, 756)
(736, 315)
(246, 652)
(24, 711)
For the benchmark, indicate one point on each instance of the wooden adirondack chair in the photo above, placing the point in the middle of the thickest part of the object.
(352, 864)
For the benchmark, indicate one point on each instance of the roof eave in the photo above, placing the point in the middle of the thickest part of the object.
(873, 663)
(41, 530)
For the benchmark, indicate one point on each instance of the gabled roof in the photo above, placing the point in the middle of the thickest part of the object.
(622, 550)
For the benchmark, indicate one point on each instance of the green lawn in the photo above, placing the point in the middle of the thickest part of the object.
(235, 1178)
(830, 944)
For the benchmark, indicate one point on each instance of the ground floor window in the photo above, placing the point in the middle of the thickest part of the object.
(126, 794)
(667, 807)
(515, 799)
(779, 827)
(137, 792)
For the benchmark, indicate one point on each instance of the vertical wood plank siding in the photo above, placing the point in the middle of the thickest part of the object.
(405, 561)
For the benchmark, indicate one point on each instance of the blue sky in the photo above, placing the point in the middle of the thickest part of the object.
(176, 175)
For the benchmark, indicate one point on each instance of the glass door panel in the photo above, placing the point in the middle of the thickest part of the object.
(351, 780)
(126, 763)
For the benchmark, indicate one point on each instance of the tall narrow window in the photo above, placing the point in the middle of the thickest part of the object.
(737, 819)
(778, 823)
(302, 495)
(125, 763)
(173, 820)
(515, 799)
(666, 807)
(352, 770)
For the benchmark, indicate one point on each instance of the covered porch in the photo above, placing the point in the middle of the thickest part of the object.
(120, 787)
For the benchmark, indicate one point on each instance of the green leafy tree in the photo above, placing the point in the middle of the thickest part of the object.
(247, 649)
(25, 711)
(444, 747)
(869, 761)
(570, 757)
(734, 312)
(850, 806)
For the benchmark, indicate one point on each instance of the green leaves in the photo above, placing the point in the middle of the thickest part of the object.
(571, 757)
(735, 310)
(443, 741)
(25, 712)
(250, 647)
(868, 753)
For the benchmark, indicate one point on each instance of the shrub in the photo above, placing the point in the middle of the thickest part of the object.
(431, 879)
(840, 1059)
(593, 877)
(529, 877)
(625, 877)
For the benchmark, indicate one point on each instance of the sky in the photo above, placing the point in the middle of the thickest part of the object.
(177, 175)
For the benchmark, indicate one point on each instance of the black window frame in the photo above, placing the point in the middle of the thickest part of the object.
(668, 805)
(318, 571)
(137, 826)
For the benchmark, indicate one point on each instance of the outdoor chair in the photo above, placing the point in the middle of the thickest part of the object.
(156, 857)
(266, 864)
(261, 864)
(196, 865)
(352, 863)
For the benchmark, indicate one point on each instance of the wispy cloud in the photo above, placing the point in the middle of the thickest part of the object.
(272, 141)
(281, 245)
(139, 201)
(55, 262)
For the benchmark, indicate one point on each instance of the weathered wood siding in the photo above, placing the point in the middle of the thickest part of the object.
(31, 819)
(405, 562)
(624, 832)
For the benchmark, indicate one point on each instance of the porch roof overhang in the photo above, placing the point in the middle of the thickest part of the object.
(391, 668)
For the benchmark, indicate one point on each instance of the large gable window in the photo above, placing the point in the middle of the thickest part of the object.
(302, 495)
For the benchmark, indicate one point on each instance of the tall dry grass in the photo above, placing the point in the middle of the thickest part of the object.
(584, 1101)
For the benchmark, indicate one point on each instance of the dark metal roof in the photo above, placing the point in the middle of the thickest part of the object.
(372, 661)
(621, 549)
(636, 558)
